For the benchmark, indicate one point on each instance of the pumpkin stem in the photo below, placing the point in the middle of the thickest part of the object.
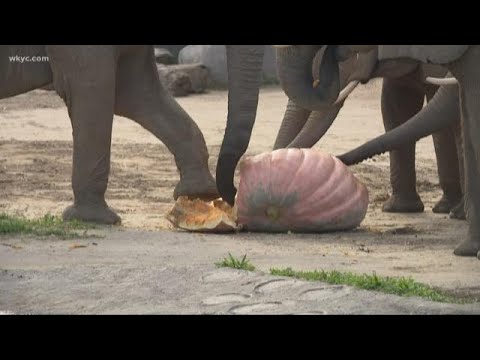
(273, 213)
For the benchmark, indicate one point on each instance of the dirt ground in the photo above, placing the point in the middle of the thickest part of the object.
(35, 169)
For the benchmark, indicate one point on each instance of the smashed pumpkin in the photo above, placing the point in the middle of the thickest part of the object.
(299, 190)
(200, 216)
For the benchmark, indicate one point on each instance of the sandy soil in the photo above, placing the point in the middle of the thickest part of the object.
(35, 168)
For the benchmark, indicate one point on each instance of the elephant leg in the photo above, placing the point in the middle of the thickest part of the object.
(402, 99)
(447, 164)
(293, 122)
(448, 173)
(471, 246)
(84, 76)
(141, 97)
(458, 211)
(467, 72)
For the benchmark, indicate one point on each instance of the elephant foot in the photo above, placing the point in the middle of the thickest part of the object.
(401, 204)
(446, 204)
(92, 213)
(458, 212)
(194, 189)
(468, 248)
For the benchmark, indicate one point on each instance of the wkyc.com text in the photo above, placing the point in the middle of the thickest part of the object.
(27, 59)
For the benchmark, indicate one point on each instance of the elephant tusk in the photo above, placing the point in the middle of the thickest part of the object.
(441, 81)
(346, 92)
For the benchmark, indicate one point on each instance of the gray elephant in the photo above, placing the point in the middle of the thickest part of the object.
(462, 62)
(98, 81)
(403, 92)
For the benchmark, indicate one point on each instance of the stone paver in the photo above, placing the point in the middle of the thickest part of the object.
(137, 272)
(84, 289)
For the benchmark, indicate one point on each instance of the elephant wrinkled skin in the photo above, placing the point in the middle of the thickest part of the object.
(403, 93)
(462, 62)
(98, 81)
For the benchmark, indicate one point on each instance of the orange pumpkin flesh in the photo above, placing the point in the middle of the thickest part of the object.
(199, 216)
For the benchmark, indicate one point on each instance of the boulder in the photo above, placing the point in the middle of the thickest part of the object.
(212, 56)
(164, 56)
(174, 49)
(181, 80)
(176, 82)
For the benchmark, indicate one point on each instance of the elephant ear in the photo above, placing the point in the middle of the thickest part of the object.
(435, 54)
(365, 66)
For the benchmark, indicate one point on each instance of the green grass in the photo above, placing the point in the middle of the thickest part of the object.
(234, 263)
(45, 226)
(398, 286)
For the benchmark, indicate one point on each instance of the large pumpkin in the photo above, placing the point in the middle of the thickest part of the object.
(300, 190)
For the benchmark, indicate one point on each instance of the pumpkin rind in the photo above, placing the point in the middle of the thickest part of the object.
(199, 216)
(299, 190)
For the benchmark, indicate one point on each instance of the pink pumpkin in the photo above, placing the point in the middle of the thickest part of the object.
(300, 190)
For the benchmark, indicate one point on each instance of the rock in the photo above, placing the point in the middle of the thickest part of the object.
(163, 56)
(212, 56)
(215, 59)
(176, 82)
(174, 49)
(181, 80)
(198, 73)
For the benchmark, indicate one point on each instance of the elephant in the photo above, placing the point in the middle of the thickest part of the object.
(462, 62)
(98, 81)
(403, 92)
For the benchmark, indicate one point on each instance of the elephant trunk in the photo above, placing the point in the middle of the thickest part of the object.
(244, 63)
(439, 113)
(320, 122)
(294, 67)
(293, 122)
(316, 127)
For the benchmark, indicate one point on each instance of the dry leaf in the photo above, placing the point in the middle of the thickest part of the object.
(77, 246)
(16, 247)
